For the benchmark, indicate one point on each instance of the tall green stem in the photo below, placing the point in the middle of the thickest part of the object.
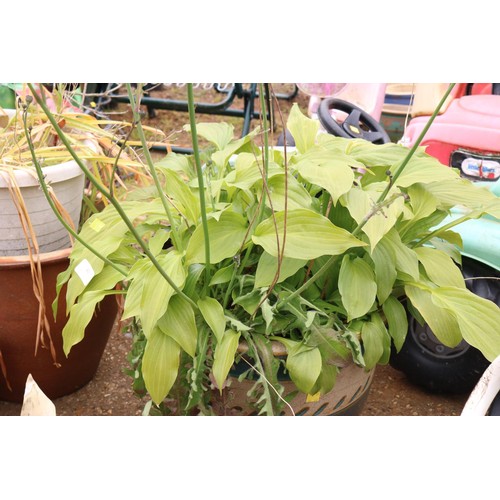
(106, 193)
(201, 186)
(149, 161)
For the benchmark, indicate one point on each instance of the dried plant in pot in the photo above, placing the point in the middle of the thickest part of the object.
(314, 250)
(37, 224)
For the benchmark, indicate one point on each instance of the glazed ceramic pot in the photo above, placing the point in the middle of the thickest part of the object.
(347, 398)
(18, 327)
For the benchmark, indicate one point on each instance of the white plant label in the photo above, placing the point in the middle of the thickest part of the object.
(85, 271)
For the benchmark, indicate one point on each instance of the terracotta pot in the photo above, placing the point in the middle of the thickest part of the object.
(347, 397)
(18, 326)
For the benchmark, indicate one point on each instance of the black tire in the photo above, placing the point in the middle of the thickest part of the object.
(440, 369)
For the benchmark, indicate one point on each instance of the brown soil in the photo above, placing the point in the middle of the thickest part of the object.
(110, 392)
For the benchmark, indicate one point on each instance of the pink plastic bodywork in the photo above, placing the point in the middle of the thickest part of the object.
(471, 122)
(367, 96)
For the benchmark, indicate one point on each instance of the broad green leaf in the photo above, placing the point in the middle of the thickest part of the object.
(303, 129)
(304, 364)
(223, 275)
(423, 169)
(248, 170)
(460, 191)
(157, 241)
(406, 258)
(80, 315)
(221, 158)
(357, 286)
(156, 291)
(213, 313)
(220, 134)
(309, 235)
(180, 324)
(160, 364)
(422, 201)
(330, 170)
(268, 267)
(178, 163)
(182, 197)
(226, 237)
(107, 222)
(361, 204)
(224, 354)
(373, 340)
(397, 320)
(249, 301)
(385, 269)
(291, 196)
(439, 267)
(478, 318)
(133, 298)
(441, 320)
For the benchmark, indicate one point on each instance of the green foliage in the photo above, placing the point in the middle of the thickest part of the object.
(318, 254)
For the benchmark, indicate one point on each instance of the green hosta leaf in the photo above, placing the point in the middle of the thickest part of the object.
(294, 194)
(160, 364)
(220, 158)
(397, 320)
(157, 241)
(303, 129)
(220, 134)
(226, 237)
(406, 258)
(309, 235)
(385, 269)
(134, 293)
(224, 354)
(478, 318)
(81, 313)
(374, 343)
(178, 163)
(442, 321)
(156, 291)
(249, 301)
(357, 286)
(326, 380)
(183, 198)
(460, 191)
(179, 324)
(423, 169)
(223, 275)
(439, 267)
(248, 170)
(107, 223)
(304, 365)
(213, 313)
(360, 203)
(268, 267)
(422, 201)
(330, 170)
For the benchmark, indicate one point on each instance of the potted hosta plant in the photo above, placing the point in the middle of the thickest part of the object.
(36, 233)
(278, 269)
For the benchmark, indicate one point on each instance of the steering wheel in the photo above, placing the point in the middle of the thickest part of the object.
(358, 124)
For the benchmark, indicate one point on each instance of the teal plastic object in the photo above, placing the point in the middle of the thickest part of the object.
(480, 237)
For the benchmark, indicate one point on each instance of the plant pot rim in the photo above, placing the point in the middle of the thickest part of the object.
(27, 177)
(12, 261)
